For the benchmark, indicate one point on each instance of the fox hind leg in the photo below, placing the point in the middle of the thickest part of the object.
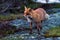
(38, 27)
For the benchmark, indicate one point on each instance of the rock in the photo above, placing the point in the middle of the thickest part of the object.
(49, 38)
(20, 23)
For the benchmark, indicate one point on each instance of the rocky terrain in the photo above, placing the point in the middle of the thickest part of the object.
(53, 21)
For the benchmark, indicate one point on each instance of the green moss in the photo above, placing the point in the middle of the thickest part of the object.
(57, 6)
(10, 17)
(54, 31)
(11, 38)
(33, 5)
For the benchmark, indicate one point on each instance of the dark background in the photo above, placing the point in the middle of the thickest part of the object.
(17, 6)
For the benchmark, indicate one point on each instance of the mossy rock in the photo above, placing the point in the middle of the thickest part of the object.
(53, 32)
(10, 17)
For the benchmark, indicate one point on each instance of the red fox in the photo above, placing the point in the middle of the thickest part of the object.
(36, 15)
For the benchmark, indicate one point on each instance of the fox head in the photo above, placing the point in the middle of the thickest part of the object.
(27, 14)
(27, 11)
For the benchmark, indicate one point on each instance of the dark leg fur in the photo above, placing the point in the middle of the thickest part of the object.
(31, 28)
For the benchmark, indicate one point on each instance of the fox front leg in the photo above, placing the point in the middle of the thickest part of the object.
(30, 27)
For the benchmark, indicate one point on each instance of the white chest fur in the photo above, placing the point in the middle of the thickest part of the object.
(28, 19)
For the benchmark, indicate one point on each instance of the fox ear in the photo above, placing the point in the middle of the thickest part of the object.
(29, 8)
(25, 8)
